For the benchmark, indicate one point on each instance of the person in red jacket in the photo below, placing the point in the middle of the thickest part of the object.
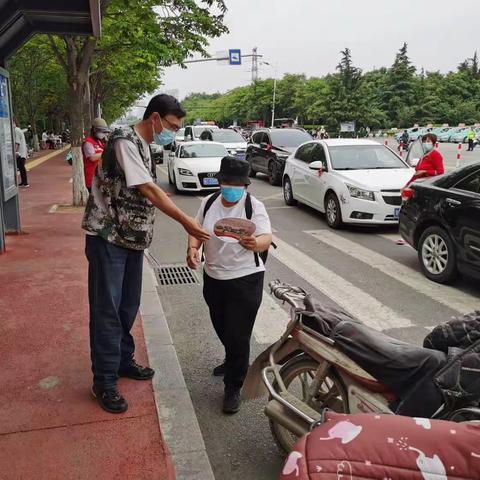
(431, 164)
(92, 149)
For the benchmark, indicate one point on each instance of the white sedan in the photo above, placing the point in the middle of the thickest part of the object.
(351, 181)
(193, 166)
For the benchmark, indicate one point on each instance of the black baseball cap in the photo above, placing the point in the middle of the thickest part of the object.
(234, 170)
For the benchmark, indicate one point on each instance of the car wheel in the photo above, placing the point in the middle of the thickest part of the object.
(333, 211)
(170, 181)
(251, 172)
(436, 254)
(288, 192)
(274, 176)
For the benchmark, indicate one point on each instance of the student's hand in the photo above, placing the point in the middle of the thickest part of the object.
(249, 243)
(194, 229)
(193, 258)
(421, 173)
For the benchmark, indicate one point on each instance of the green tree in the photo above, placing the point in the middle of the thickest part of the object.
(143, 35)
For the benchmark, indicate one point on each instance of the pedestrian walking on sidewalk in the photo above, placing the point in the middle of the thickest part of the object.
(119, 220)
(233, 272)
(92, 149)
(21, 153)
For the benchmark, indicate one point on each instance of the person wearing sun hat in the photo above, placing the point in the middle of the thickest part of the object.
(233, 270)
(92, 149)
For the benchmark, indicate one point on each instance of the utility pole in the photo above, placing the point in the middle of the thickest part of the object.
(254, 65)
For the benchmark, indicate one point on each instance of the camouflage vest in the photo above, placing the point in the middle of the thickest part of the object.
(118, 214)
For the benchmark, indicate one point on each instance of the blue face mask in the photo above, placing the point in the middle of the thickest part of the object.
(165, 137)
(232, 194)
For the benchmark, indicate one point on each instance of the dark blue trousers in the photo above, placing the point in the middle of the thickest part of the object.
(114, 291)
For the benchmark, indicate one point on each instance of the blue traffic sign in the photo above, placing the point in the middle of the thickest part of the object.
(235, 56)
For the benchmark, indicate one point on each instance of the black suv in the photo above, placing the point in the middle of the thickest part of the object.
(269, 148)
(441, 220)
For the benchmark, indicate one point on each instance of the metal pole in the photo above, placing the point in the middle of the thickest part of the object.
(254, 65)
(274, 98)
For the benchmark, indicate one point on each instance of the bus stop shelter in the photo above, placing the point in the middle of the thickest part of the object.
(20, 20)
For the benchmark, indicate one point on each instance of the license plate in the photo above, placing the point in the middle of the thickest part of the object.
(241, 156)
(396, 213)
(210, 181)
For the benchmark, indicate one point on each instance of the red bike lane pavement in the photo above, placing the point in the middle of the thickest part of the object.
(50, 426)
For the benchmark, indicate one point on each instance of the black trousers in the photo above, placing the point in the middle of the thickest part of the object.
(22, 170)
(114, 291)
(470, 145)
(233, 308)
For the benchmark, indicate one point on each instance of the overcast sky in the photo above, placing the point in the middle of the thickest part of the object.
(306, 36)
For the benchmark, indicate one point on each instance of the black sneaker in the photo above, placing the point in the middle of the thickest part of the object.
(219, 371)
(110, 399)
(231, 401)
(136, 371)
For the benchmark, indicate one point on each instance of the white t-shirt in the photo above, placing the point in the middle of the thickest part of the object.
(130, 161)
(224, 260)
(22, 151)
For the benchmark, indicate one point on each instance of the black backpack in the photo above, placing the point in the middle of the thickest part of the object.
(248, 213)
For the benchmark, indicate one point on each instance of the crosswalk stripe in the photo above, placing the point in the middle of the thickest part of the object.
(392, 237)
(359, 303)
(271, 320)
(448, 296)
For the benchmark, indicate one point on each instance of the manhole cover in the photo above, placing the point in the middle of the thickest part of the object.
(176, 275)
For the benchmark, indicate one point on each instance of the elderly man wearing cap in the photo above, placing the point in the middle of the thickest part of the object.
(92, 149)
(233, 271)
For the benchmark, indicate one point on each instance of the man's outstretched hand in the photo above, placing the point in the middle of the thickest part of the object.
(194, 229)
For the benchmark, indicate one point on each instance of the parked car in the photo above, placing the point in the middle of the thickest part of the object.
(269, 148)
(193, 132)
(157, 153)
(419, 133)
(352, 181)
(193, 166)
(233, 141)
(445, 136)
(440, 218)
(410, 131)
(460, 136)
(180, 136)
(440, 130)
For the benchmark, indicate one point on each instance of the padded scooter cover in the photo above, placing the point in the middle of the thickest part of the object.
(407, 370)
(380, 447)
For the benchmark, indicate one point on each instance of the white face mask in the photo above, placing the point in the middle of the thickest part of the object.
(100, 135)
(428, 146)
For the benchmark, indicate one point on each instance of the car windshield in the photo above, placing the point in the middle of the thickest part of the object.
(363, 157)
(181, 132)
(227, 136)
(203, 150)
(289, 138)
(199, 130)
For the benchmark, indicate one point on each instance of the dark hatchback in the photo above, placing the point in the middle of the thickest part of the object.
(269, 149)
(441, 220)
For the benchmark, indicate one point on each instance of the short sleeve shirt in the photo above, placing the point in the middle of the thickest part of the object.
(224, 260)
(130, 161)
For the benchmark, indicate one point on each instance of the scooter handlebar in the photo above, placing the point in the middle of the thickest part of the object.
(286, 292)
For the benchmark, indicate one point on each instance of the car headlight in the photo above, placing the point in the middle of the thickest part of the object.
(359, 193)
(185, 172)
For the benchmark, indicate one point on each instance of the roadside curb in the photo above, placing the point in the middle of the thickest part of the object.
(176, 415)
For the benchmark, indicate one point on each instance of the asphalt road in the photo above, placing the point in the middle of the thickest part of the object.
(361, 269)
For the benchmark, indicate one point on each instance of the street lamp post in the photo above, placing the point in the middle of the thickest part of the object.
(274, 90)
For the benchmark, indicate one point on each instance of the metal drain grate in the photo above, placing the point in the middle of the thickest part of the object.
(176, 275)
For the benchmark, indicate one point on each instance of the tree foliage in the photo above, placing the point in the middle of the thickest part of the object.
(398, 96)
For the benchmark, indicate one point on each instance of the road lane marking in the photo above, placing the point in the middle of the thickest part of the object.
(39, 161)
(271, 320)
(449, 296)
(270, 197)
(359, 303)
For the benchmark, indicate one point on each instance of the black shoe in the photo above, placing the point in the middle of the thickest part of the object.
(110, 399)
(219, 371)
(136, 371)
(231, 401)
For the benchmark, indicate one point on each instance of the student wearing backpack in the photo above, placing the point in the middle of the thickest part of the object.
(233, 272)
